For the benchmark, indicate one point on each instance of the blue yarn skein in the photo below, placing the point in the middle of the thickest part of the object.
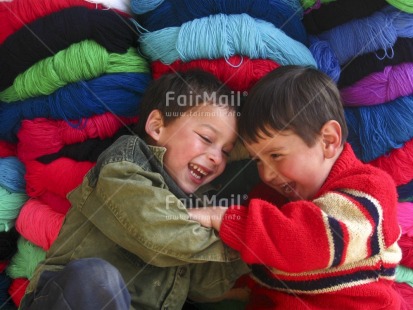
(12, 173)
(325, 58)
(401, 21)
(361, 36)
(117, 93)
(376, 130)
(222, 36)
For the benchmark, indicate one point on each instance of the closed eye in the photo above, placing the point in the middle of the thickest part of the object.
(206, 139)
(225, 153)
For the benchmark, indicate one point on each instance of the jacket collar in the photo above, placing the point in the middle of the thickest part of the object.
(158, 152)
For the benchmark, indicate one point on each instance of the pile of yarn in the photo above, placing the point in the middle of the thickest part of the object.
(71, 83)
(367, 48)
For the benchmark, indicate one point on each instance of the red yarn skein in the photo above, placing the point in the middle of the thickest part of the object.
(239, 73)
(17, 13)
(39, 223)
(406, 244)
(42, 136)
(7, 149)
(60, 176)
(399, 163)
(17, 289)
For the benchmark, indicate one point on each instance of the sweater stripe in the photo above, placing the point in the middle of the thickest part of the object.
(338, 240)
(320, 285)
(375, 212)
(356, 230)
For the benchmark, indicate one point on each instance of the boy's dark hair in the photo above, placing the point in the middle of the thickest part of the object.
(297, 98)
(176, 93)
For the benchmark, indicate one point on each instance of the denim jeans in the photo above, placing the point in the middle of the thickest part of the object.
(83, 284)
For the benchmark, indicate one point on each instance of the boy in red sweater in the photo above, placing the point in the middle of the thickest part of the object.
(321, 231)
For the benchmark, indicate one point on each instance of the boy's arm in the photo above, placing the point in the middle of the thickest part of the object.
(337, 228)
(265, 235)
(208, 216)
(147, 219)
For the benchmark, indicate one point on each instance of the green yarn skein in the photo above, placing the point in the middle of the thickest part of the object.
(404, 275)
(80, 61)
(309, 3)
(10, 205)
(402, 5)
(24, 262)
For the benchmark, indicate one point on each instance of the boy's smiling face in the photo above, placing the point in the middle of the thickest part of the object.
(288, 165)
(197, 144)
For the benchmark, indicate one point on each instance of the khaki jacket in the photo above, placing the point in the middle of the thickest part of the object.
(130, 212)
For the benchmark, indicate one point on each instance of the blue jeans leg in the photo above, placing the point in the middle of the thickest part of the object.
(84, 284)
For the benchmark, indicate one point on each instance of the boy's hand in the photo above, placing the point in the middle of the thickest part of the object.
(239, 293)
(208, 216)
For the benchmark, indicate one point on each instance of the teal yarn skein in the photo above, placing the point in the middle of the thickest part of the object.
(10, 205)
(222, 36)
(144, 6)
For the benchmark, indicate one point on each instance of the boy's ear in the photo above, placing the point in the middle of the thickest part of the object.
(154, 124)
(331, 138)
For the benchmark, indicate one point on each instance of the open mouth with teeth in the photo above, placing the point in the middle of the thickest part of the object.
(287, 189)
(197, 172)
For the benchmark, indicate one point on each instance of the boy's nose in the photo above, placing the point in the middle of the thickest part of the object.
(268, 174)
(215, 156)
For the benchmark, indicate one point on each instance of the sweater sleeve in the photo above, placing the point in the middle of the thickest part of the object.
(339, 227)
(292, 240)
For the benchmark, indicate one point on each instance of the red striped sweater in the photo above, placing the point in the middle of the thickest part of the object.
(338, 251)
